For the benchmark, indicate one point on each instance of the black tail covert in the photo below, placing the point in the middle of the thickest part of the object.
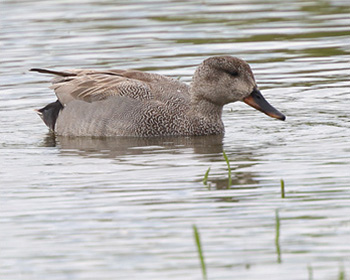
(49, 114)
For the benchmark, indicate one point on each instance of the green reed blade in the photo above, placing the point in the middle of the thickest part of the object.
(229, 169)
(200, 252)
(309, 268)
(282, 189)
(341, 275)
(205, 179)
(277, 238)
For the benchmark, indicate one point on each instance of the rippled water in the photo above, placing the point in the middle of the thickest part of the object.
(124, 208)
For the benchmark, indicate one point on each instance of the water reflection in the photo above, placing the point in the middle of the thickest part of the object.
(240, 180)
(204, 148)
(119, 146)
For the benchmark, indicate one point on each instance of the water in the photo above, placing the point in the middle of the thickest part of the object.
(124, 208)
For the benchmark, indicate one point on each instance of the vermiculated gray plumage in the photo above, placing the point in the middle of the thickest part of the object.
(135, 103)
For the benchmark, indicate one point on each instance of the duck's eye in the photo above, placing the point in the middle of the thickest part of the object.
(232, 73)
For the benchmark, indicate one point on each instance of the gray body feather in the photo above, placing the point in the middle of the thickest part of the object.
(135, 103)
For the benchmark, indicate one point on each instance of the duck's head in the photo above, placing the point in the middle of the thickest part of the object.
(225, 79)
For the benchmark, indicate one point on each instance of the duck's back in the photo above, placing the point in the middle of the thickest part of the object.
(120, 103)
(93, 85)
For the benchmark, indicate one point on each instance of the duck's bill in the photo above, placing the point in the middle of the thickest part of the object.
(257, 101)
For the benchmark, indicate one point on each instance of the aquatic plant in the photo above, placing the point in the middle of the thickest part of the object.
(282, 189)
(229, 169)
(205, 179)
(341, 275)
(277, 237)
(309, 268)
(200, 252)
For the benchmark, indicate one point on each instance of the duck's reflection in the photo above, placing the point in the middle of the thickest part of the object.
(238, 179)
(204, 148)
(114, 147)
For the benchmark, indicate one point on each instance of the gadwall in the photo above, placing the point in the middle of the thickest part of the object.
(135, 103)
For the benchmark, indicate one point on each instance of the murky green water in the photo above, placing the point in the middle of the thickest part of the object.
(124, 208)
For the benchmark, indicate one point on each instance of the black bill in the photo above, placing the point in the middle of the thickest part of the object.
(257, 101)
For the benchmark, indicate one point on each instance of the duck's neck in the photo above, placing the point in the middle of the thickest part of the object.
(206, 109)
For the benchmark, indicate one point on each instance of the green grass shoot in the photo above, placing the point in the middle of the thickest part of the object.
(341, 275)
(200, 252)
(282, 189)
(229, 169)
(309, 268)
(277, 238)
(205, 179)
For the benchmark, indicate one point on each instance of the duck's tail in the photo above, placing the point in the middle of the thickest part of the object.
(58, 73)
(50, 113)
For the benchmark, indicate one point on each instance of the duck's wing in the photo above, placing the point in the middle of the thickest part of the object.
(94, 85)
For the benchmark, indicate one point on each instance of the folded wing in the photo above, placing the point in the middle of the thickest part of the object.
(93, 85)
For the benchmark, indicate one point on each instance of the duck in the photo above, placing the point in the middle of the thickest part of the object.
(103, 103)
